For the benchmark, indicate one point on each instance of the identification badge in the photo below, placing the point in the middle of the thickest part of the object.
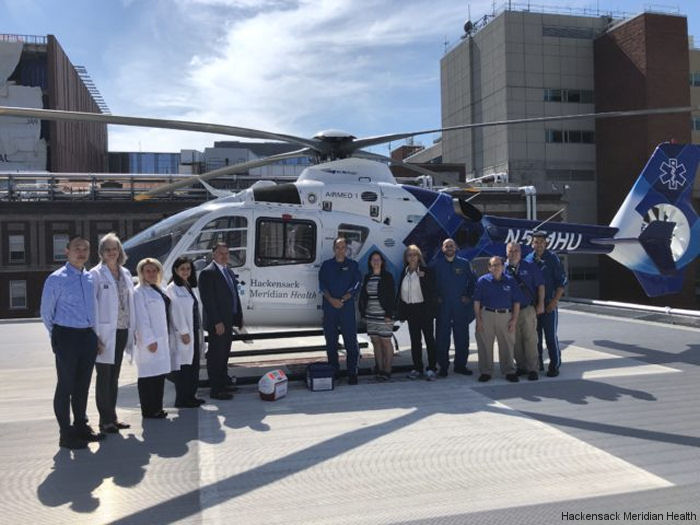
(458, 271)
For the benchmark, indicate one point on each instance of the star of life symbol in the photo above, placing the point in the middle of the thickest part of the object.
(673, 174)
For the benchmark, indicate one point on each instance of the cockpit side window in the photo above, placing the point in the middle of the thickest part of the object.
(280, 242)
(229, 229)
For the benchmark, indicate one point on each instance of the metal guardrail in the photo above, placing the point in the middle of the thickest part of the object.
(27, 39)
(27, 187)
(665, 310)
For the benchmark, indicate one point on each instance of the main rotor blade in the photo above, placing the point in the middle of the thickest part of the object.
(226, 170)
(381, 139)
(413, 167)
(54, 114)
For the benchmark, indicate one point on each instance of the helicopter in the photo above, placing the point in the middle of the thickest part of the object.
(279, 234)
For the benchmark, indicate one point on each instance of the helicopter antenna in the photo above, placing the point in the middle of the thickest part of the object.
(547, 220)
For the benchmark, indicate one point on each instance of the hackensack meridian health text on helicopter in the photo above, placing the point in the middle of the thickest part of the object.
(279, 234)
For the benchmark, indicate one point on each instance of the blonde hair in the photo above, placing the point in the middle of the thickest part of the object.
(145, 262)
(112, 237)
(413, 248)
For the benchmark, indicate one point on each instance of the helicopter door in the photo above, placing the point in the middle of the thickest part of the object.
(231, 228)
(283, 287)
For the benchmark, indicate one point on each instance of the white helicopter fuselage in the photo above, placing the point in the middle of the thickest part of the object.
(279, 235)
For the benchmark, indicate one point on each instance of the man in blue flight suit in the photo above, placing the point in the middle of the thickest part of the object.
(454, 283)
(496, 305)
(339, 280)
(554, 283)
(531, 283)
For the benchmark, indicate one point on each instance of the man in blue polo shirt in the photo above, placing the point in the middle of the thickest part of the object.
(496, 306)
(454, 283)
(339, 280)
(554, 283)
(67, 310)
(531, 284)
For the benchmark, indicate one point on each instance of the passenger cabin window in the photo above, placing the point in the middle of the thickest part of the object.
(280, 242)
(231, 230)
(355, 237)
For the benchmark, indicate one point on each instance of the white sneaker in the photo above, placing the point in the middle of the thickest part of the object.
(413, 374)
(430, 376)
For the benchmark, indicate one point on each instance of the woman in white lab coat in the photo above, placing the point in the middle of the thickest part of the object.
(152, 350)
(186, 335)
(114, 324)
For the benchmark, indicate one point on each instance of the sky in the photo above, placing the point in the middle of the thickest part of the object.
(293, 66)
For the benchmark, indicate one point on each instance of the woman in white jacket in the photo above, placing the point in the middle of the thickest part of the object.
(114, 324)
(152, 350)
(186, 333)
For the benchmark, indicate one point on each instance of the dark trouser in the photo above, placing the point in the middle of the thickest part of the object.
(107, 381)
(151, 394)
(453, 319)
(420, 322)
(75, 350)
(547, 324)
(187, 378)
(345, 319)
(217, 359)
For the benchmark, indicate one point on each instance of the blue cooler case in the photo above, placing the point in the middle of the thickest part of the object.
(320, 377)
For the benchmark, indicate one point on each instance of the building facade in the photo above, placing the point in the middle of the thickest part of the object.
(36, 72)
(523, 64)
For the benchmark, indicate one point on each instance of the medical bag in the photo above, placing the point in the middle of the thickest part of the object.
(273, 385)
(320, 377)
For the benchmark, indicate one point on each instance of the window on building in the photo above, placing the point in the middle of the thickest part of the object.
(18, 295)
(582, 96)
(695, 78)
(16, 248)
(552, 95)
(569, 136)
(279, 242)
(60, 241)
(554, 135)
(696, 124)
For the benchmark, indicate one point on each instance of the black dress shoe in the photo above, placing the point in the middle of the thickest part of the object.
(72, 442)
(464, 371)
(221, 396)
(484, 377)
(121, 425)
(88, 434)
(187, 404)
(552, 372)
(199, 400)
(158, 415)
(109, 428)
(231, 388)
(533, 376)
(352, 380)
(513, 378)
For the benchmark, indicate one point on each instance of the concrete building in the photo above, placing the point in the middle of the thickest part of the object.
(525, 64)
(35, 72)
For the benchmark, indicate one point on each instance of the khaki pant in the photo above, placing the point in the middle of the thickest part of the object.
(495, 326)
(526, 340)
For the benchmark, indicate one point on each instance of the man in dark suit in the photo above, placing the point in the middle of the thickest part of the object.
(222, 311)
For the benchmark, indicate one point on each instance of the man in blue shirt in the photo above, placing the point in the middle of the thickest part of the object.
(454, 283)
(531, 283)
(68, 312)
(339, 281)
(496, 306)
(554, 283)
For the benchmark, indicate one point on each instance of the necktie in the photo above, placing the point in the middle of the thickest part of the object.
(227, 276)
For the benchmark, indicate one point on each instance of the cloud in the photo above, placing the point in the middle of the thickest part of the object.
(295, 67)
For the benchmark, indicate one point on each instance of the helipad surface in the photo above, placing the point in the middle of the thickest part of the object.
(618, 431)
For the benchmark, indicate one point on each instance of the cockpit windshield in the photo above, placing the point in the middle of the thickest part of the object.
(158, 240)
